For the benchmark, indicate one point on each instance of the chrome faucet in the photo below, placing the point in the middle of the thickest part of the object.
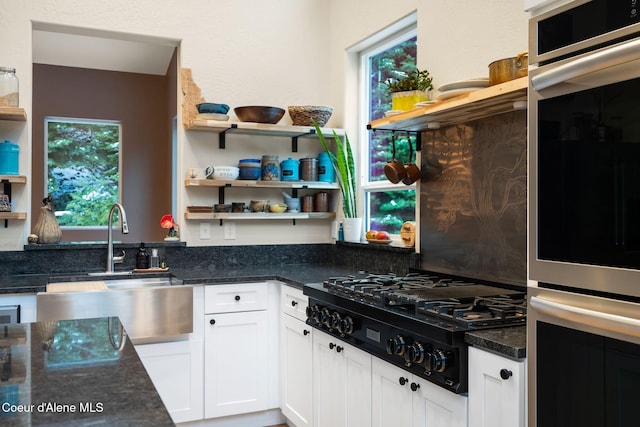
(111, 260)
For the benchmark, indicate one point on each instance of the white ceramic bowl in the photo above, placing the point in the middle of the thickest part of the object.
(225, 173)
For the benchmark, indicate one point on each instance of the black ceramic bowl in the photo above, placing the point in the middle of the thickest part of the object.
(257, 114)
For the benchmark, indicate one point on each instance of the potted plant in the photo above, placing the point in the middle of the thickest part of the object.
(344, 167)
(409, 89)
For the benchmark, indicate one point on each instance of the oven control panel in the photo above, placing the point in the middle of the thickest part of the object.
(438, 362)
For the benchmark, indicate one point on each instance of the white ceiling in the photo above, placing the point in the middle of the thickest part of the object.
(101, 50)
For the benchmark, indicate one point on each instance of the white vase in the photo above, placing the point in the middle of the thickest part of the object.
(352, 229)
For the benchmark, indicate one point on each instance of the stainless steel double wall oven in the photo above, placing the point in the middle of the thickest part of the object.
(584, 215)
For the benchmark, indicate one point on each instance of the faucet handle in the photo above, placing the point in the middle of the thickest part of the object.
(119, 259)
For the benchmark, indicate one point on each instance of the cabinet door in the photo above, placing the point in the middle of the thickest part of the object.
(329, 383)
(433, 406)
(235, 378)
(357, 371)
(495, 401)
(176, 371)
(341, 382)
(391, 395)
(295, 371)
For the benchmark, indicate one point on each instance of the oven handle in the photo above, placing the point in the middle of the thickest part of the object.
(605, 321)
(598, 61)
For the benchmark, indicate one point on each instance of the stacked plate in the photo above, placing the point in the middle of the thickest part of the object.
(462, 87)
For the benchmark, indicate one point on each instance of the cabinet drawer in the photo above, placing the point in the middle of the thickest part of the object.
(293, 302)
(235, 298)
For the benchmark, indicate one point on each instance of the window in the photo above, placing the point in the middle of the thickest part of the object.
(83, 169)
(387, 205)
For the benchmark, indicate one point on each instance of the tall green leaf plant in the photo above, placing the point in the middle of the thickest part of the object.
(345, 170)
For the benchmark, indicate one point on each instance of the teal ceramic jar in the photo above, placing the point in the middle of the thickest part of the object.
(289, 169)
(325, 168)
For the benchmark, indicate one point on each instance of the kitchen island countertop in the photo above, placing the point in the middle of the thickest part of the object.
(72, 373)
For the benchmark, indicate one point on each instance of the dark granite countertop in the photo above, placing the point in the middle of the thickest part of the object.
(296, 275)
(71, 373)
(510, 342)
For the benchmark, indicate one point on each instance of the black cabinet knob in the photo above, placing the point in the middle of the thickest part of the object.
(305, 332)
(505, 374)
(415, 386)
(331, 346)
(403, 380)
(212, 321)
(294, 303)
(237, 297)
(338, 349)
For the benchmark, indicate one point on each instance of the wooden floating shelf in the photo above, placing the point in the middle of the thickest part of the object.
(13, 215)
(249, 128)
(13, 114)
(317, 185)
(474, 105)
(259, 215)
(13, 179)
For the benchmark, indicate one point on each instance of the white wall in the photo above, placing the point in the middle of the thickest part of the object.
(269, 52)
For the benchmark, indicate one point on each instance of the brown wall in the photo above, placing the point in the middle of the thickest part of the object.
(142, 103)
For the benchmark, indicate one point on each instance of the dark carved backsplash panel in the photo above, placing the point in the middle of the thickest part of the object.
(473, 199)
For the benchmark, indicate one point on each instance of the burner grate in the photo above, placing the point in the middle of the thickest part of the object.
(444, 298)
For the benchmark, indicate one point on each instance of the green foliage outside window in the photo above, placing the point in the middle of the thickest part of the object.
(388, 210)
(83, 170)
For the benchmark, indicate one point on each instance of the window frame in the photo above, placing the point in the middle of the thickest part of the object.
(403, 31)
(76, 120)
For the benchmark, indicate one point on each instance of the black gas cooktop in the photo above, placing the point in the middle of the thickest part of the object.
(416, 321)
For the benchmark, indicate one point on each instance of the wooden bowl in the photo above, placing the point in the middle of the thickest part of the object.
(258, 114)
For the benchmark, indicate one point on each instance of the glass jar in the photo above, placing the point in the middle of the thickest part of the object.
(8, 87)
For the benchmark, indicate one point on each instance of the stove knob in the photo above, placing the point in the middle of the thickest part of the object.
(313, 313)
(346, 326)
(396, 345)
(336, 320)
(438, 361)
(325, 317)
(415, 353)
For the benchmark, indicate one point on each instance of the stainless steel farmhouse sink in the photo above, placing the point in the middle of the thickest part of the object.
(152, 309)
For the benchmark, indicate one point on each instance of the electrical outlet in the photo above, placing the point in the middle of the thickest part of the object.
(229, 230)
(334, 229)
(205, 230)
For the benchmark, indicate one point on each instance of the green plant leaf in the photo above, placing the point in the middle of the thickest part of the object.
(344, 167)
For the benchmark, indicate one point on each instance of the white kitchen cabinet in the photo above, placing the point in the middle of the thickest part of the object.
(496, 390)
(27, 303)
(176, 371)
(296, 374)
(235, 379)
(341, 383)
(402, 399)
(176, 368)
(236, 349)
